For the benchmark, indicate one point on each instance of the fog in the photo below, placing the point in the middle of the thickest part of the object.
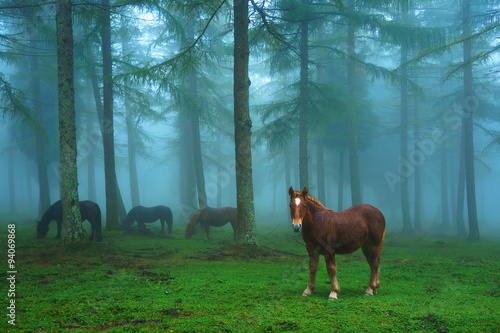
(435, 110)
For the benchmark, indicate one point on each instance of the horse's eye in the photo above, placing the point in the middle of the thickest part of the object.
(291, 204)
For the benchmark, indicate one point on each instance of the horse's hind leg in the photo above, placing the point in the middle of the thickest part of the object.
(331, 268)
(372, 254)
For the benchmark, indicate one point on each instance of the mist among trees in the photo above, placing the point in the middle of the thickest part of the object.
(188, 104)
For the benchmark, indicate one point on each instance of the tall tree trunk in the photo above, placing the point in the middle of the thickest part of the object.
(12, 185)
(445, 216)
(353, 135)
(195, 125)
(132, 151)
(418, 185)
(91, 188)
(187, 176)
(243, 127)
(112, 221)
(320, 169)
(405, 200)
(72, 222)
(461, 184)
(469, 105)
(288, 177)
(41, 140)
(131, 139)
(341, 180)
(303, 101)
(219, 175)
(102, 123)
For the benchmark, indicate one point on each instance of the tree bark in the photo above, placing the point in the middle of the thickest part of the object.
(243, 127)
(353, 136)
(461, 185)
(405, 200)
(131, 141)
(418, 183)
(91, 188)
(72, 222)
(122, 213)
(320, 169)
(469, 108)
(112, 221)
(12, 185)
(43, 178)
(341, 180)
(303, 104)
(445, 216)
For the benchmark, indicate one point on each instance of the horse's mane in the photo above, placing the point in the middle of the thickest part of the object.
(315, 201)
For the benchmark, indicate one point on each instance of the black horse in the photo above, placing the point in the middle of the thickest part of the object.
(143, 215)
(89, 211)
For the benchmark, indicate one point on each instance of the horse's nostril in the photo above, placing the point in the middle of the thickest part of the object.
(296, 227)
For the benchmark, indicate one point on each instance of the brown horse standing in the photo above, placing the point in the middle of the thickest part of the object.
(328, 233)
(215, 217)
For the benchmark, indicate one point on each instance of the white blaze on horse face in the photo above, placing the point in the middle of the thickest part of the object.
(297, 201)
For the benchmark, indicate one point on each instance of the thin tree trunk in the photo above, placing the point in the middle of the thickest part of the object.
(91, 188)
(43, 178)
(187, 176)
(303, 101)
(219, 175)
(445, 216)
(405, 200)
(112, 221)
(12, 185)
(353, 136)
(418, 185)
(243, 127)
(461, 185)
(469, 105)
(72, 222)
(320, 169)
(340, 204)
(102, 123)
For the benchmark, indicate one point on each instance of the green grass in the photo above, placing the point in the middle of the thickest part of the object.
(149, 282)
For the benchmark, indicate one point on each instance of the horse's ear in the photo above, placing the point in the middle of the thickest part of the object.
(291, 192)
(304, 192)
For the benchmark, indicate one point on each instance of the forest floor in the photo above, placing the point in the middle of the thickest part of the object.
(166, 283)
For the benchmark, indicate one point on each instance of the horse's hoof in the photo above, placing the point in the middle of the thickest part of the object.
(307, 292)
(369, 292)
(332, 296)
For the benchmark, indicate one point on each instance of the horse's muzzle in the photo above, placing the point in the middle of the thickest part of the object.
(296, 227)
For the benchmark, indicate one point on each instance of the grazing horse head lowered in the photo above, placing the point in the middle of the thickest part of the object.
(328, 233)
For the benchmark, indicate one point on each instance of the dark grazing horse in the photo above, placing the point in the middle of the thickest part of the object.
(142, 215)
(215, 217)
(327, 233)
(89, 211)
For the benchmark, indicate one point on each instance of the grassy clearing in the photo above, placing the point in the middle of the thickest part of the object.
(150, 282)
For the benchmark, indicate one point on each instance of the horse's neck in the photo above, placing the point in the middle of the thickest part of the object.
(314, 207)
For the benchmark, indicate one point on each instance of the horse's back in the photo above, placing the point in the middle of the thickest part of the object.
(90, 211)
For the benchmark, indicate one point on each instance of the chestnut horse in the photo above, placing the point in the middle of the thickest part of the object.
(143, 215)
(327, 233)
(215, 217)
(89, 211)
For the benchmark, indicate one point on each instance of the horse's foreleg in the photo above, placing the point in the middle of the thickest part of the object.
(313, 267)
(331, 268)
(59, 229)
(372, 254)
(207, 230)
(162, 226)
